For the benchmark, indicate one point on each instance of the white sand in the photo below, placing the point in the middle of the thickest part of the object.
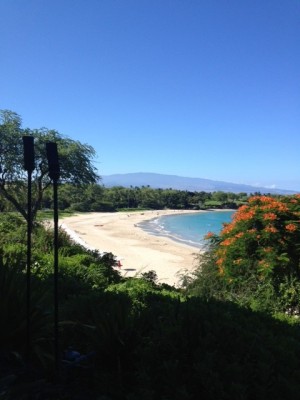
(138, 251)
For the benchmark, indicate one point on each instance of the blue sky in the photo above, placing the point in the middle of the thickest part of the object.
(196, 88)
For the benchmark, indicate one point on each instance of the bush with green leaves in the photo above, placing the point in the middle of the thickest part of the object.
(13, 314)
(256, 258)
(79, 269)
(140, 339)
(151, 343)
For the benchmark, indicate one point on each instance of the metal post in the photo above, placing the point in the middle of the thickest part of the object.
(28, 147)
(56, 345)
(28, 268)
(54, 172)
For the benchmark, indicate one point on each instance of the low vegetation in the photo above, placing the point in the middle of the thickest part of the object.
(255, 261)
(221, 337)
(95, 197)
(230, 333)
(99, 198)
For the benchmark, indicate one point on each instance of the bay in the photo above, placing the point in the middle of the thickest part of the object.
(188, 228)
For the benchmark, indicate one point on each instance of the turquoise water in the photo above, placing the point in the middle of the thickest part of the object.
(188, 228)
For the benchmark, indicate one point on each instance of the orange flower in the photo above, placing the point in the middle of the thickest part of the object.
(275, 205)
(227, 228)
(209, 235)
(271, 228)
(239, 235)
(282, 207)
(243, 208)
(227, 242)
(261, 199)
(291, 227)
(270, 216)
(268, 203)
(244, 216)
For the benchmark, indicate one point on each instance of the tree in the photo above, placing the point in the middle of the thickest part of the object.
(263, 238)
(256, 257)
(75, 162)
(220, 196)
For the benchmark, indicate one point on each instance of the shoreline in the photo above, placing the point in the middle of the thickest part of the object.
(145, 225)
(119, 233)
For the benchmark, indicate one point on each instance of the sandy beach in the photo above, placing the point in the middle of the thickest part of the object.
(137, 250)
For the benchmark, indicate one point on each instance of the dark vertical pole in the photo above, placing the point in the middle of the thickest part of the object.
(54, 172)
(28, 268)
(28, 147)
(56, 346)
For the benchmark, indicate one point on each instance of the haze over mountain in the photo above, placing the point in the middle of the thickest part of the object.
(162, 181)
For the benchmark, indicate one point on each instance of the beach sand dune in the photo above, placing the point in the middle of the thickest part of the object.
(137, 250)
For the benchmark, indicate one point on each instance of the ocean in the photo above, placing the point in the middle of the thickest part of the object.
(188, 228)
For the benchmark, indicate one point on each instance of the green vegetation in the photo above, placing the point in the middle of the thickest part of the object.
(94, 197)
(79, 190)
(255, 261)
(75, 163)
(230, 333)
(138, 339)
(116, 198)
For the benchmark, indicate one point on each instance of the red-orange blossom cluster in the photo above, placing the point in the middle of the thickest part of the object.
(264, 236)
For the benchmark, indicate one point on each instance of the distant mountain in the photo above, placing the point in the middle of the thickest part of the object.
(183, 183)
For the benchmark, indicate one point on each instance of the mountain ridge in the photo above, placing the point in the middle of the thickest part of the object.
(164, 181)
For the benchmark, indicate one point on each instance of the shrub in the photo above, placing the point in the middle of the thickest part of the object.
(256, 257)
(13, 313)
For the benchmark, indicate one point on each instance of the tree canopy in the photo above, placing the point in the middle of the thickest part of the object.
(75, 158)
(255, 260)
(262, 238)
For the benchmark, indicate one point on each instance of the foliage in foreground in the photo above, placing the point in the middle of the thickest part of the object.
(256, 258)
(142, 341)
(131, 338)
(75, 161)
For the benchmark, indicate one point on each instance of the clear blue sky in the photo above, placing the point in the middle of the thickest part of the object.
(198, 88)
